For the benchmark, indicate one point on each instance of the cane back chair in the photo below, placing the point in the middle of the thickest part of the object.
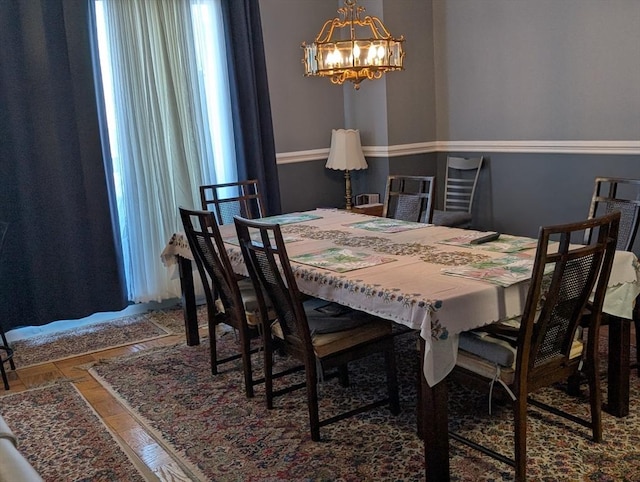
(229, 300)
(320, 340)
(543, 346)
(619, 194)
(231, 199)
(409, 198)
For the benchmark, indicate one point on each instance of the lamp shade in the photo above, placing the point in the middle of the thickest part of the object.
(346, 151)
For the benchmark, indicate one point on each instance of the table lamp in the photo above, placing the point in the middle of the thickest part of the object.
(346, 155)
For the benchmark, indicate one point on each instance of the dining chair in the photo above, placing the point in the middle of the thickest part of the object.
(409, 198)
(231, 199)
(229, 300)
(320, 336)
(460, 188)
(6, 352)
(543, 346)
(619, 194)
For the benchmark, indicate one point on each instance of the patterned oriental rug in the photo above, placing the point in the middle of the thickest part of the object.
(218, 434)
(63, 438)
(99, 336)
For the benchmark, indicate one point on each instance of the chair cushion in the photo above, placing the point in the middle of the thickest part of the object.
(250, 302)
(248, 295)
(495, 350)
(483, 353)
(335, 327)
(483, 367)
(324, 317)
(454, 219)
(331, 343)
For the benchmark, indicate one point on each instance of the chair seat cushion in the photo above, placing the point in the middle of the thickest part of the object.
(248, 294)
(453, 219)
(250, 301)
(324, 317)
(335, 327)
(497, 351)
(483, 353)
(331, 343)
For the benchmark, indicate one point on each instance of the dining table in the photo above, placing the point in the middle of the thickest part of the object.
(432, 279)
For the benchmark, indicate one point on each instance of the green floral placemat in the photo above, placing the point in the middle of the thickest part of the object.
(341, 260)
(504, 271)
(506, 243)
(386, 225)
(288, 218)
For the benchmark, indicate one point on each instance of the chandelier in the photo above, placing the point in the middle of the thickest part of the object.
(353, 48)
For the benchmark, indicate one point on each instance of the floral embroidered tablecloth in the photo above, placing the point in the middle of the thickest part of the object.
(412, 289)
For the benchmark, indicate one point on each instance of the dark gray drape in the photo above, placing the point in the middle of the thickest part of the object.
(62, 258)
(253, 127)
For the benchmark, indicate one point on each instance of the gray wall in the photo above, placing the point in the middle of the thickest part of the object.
(488, 71)
(541, 69)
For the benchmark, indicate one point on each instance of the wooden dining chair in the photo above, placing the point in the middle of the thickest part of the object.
(460, 189)
(229, 300)
(542, 347)
(6, 352)
(409, 198)
(619, 194)
(320, 336)
(231, 199)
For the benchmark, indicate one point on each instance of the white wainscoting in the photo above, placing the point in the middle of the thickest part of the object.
(546, 147)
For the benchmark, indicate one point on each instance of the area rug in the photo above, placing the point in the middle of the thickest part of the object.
(63, 438)
(98, 336)
(218, 434)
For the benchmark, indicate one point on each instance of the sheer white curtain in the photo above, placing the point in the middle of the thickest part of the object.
(166, 89)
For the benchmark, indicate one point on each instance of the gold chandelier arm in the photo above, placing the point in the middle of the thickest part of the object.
(329, 25)
(377, 26)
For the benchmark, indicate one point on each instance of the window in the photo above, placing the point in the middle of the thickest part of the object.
(166, 90)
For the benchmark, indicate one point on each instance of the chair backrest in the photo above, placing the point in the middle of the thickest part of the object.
(409, 198)
(231, 199)
(266, 259)
(617, 194)
(214, 266)
(460, 182)
(564, 277)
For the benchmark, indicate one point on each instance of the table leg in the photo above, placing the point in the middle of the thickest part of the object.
(618, 369)
(188, 301)
(434, 419)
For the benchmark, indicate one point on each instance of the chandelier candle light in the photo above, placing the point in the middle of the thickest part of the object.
(353, 48)
(346, 155)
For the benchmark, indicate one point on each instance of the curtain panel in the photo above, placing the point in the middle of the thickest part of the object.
(163, 139)
(62, 257)
(253, 127)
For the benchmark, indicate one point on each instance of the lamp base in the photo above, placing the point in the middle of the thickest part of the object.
(347, 196)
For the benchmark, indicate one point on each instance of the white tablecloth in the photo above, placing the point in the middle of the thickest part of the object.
(412, 290)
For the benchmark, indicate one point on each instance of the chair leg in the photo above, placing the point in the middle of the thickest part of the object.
(267, 344)
(343, 375)
(392, 378)
(245, 346)
(9, 358)
(5, 380)
(6, 343)
(213, 348)
(520, 432)
(595, 401)
(312, 400)
(573, 385)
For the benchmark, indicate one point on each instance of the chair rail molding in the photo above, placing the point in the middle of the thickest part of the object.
(546, 147)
